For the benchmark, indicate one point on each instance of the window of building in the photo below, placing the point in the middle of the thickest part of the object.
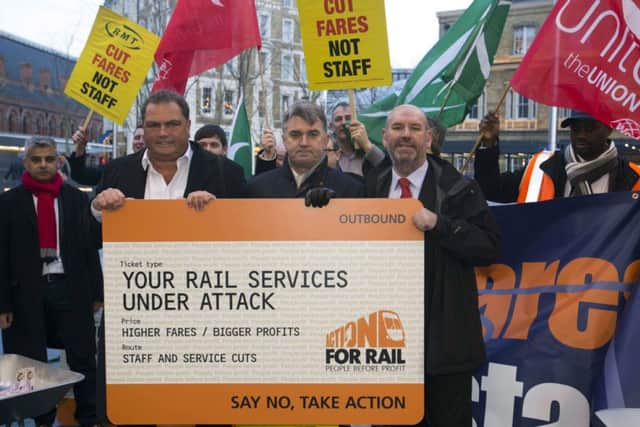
(265, 25)
(523, 35)
(264, 62)
(287, 4)
(520, 107)
(287, 30)
(284, 107)
(286, 71)
(303, 69)
(205, 100)
(478, 110)
(228, 102)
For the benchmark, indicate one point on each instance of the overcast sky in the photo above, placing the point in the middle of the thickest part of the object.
(65, 25)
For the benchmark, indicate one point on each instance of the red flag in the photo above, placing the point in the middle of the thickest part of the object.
(587, 57)
(201, 35)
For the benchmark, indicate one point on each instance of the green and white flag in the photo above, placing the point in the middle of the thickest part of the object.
(240, 146)
(453, 73)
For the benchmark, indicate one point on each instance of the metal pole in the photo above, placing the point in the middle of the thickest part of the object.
(553, 111)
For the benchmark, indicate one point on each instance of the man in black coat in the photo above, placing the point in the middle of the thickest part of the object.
(169, 168)
(305, 172)
(460, 233)
(49, 276)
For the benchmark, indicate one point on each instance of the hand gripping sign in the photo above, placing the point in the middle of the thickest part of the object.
(264, 311)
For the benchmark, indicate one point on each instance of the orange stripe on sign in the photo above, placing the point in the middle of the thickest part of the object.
(265, 403)
(262, 220)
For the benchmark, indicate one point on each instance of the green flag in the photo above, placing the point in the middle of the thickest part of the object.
(240, 146)
(453, 73)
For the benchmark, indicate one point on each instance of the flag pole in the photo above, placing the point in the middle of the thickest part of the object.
(262, 100)
(479, 138)
(352, 104)
(87, 120)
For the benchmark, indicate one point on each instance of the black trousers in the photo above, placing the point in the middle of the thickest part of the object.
(79, 344)
(447, 400)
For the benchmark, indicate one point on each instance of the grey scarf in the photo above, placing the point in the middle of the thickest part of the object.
(581, 174)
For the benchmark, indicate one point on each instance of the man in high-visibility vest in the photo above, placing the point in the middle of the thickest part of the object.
(591, 164)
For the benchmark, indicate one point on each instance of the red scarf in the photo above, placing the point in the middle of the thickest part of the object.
(45, 192)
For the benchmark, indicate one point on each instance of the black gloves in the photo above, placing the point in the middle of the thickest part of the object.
(318, 197)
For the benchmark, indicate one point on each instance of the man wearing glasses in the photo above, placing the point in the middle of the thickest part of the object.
(591, 164)
(50, 278)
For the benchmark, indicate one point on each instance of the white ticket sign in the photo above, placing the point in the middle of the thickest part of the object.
(264, 312)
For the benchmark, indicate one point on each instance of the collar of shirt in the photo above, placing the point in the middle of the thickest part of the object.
(156, 188)
(415, 179)
(187, 155)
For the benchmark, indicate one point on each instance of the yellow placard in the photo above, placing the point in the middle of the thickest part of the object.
(112, 66)
(345, 43)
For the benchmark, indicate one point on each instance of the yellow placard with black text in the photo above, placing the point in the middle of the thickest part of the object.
(345, 43)
(112, 66)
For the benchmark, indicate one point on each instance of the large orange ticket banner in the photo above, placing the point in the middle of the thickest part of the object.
(264, 312)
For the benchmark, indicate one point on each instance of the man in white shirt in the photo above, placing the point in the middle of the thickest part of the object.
(170, 167)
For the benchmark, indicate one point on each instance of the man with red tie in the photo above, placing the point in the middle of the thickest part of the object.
(460, 233)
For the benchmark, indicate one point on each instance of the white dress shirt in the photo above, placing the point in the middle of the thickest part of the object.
(155, 187)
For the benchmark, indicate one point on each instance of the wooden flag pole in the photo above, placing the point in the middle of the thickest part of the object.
(479, 138)
(352, 104)
(87, 120)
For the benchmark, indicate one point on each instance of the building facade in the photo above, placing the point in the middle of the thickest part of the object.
(32, 102)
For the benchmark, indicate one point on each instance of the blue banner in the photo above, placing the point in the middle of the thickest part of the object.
(550, 307)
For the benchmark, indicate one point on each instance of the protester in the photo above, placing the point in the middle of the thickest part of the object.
(90, 175)
(358, 153)
(213, 139)
(460, 233)
(50, 278)
(305, 173)
(169, 168)
(272, 153)
(591, 164)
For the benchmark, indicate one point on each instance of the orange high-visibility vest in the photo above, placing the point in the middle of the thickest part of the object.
(536, 185)
(636, 168)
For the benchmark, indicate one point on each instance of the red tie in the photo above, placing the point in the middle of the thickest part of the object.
(405, 188)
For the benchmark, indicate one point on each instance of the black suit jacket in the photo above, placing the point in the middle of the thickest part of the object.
(466, 235)
(21, 268)
(215, 174)
(207, 172)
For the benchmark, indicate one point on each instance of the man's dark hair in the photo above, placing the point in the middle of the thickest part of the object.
(208, 131)
(139, 126)
(165, 96)
(307, 111)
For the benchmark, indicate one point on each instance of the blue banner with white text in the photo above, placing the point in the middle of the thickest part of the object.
(550, 307)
